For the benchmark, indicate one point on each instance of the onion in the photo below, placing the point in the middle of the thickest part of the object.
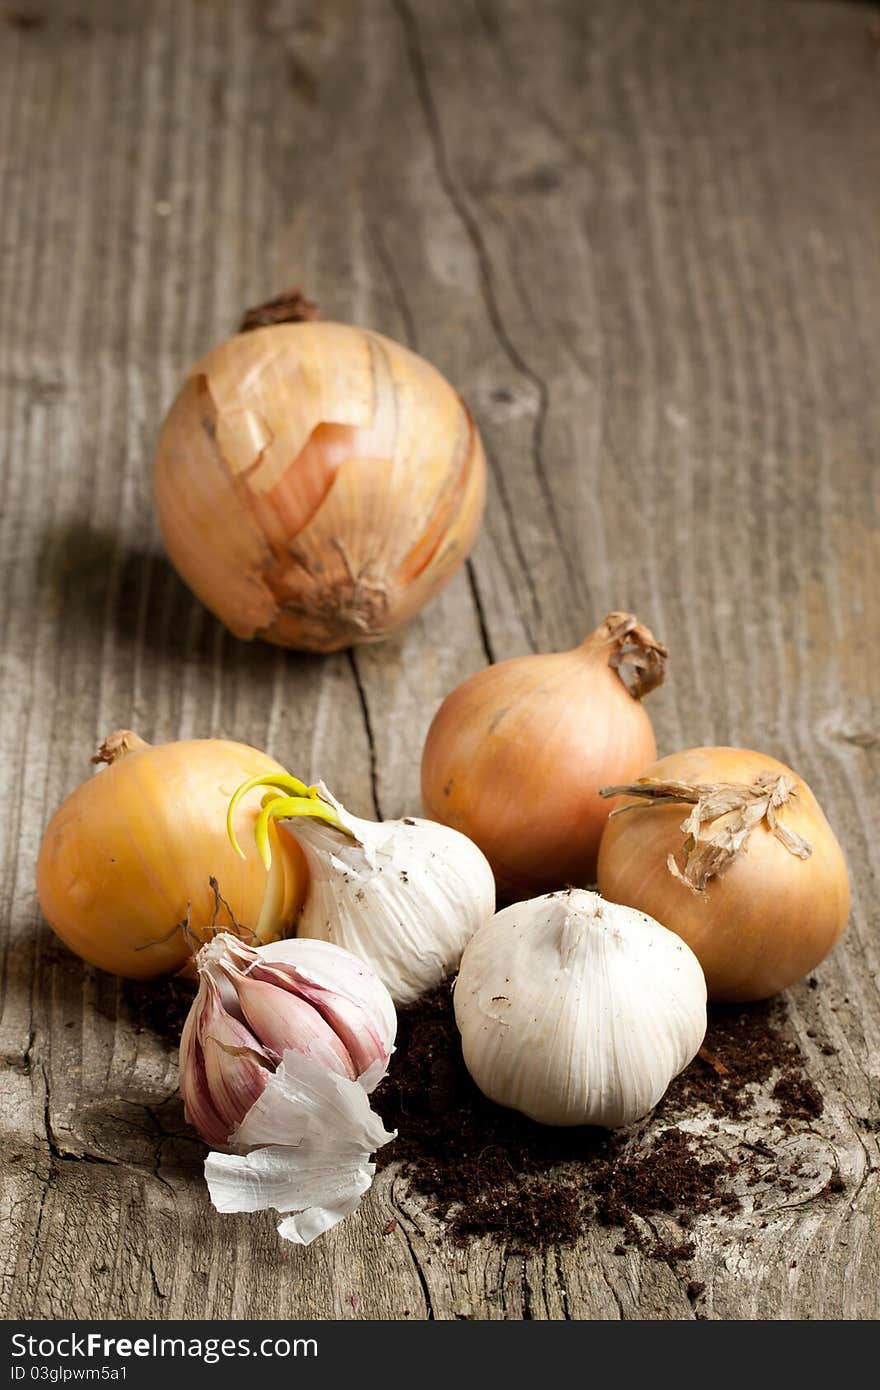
(317, 484)
(516, 755)
(753, 879)
(126, 863)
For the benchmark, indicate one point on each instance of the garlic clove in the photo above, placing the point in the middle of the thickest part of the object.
(575, 1011)
(333, 970)
(223, 1067)
(349, 1022)
(340, 989)
(283, 1021)
(235, 1079)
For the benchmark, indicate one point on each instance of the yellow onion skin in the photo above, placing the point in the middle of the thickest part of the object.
(130, 853)
(516, 755)
(317, 484)
(764, 922)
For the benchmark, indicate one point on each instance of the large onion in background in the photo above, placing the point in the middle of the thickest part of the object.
(129, 856)
(317, 484)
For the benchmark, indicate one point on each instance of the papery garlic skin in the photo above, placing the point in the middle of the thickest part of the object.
(404, 895)
(304, 1148)
(577, 1011)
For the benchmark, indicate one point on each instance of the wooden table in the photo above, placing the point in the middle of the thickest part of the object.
(643, 241)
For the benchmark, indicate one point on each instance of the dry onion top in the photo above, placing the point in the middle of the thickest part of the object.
(741, 806)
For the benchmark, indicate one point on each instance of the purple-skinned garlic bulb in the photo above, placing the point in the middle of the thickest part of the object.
(280, 1050)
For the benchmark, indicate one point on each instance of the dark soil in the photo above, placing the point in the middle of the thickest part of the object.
(485, 1170)
(796, 1096)
(744, 1047)
(163, 1012)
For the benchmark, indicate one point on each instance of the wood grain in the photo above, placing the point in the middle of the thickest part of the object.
(642, 241)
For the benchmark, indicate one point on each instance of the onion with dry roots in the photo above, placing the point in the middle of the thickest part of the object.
(317, 483)
(516, 755)
(135, 867)
(730, 849)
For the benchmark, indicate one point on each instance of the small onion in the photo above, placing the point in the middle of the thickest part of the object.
(127, 860)
(516, 755)
(317, 484)
(730, 849)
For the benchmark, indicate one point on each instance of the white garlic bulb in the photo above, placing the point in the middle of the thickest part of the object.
(405, 896)
(577, 1011)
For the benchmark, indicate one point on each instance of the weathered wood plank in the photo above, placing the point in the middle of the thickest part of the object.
(645, 249)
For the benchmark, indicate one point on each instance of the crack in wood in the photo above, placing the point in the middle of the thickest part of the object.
(560, 1278)
(157, 1289)
(395, 284)
(480, 611)
(526, 1293)
(403, 1225)
(516, 545)
(368, 728)
(471, 227)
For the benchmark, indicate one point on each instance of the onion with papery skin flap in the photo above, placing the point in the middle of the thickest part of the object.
(730, 849)
(125, 867)
(317, 484)
(516, 755)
